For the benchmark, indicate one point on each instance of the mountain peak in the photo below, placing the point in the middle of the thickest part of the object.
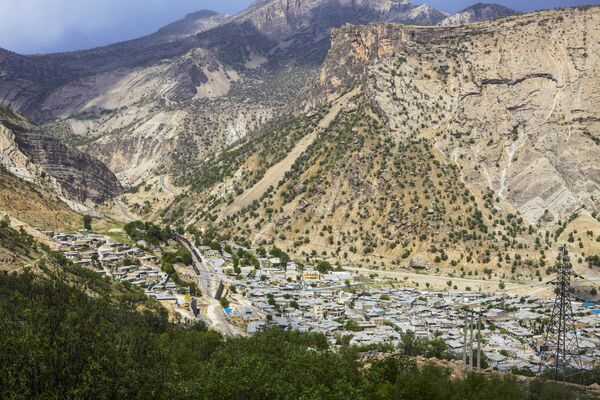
(479, 12)
(202, 14)
(191, 24)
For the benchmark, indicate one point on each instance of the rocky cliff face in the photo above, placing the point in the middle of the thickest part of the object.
(29, 153)
(512, 102)
(158, 102)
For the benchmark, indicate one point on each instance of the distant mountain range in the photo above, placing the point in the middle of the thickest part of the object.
(337, 128)
(153, 102)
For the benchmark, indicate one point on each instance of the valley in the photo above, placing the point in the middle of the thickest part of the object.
(351, 175)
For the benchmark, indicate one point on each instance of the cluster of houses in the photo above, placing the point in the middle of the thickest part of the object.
(346, 312)
(118, 261)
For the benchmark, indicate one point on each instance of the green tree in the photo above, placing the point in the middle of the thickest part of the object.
(87, 222)
(323, 267)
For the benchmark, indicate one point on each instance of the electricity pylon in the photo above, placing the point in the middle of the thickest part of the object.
(560, 352)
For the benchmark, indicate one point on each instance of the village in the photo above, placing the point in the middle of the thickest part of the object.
(348, 308)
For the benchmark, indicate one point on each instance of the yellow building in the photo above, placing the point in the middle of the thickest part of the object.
(311, 274)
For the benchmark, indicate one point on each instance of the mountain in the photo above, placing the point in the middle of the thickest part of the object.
(448, 144)
(29, 152)
(34, 206)
(423, 14)
(478, 12)
(162, 102)
(192, 24)
(525, 129)
(277, 18)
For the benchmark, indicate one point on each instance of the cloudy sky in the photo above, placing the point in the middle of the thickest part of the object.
(42, 26)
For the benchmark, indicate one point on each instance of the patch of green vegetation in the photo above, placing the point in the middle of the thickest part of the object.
(148, 232)
(181, 255)
(17, 242)
(59, 342)
(120, 237)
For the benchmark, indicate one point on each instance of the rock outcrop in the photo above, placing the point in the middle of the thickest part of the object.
(511, 102)
(31, 154)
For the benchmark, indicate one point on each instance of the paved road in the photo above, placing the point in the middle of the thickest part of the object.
(219, 322)
(201, 268)
(124, 211)
(165, 188)
(208, 281)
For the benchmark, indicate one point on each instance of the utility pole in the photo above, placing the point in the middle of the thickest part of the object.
(465, 345)
(471, 320)
(560, 351)
(479, 343)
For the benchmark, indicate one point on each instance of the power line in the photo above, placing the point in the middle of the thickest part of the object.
(560, 352)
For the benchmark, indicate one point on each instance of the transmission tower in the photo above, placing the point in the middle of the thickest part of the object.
(560, 352)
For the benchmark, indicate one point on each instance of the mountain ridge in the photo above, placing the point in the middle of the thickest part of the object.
(237, 65)
(30, 153)
(479, 12)
(166, 107)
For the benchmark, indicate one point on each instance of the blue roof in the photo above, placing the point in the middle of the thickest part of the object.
(227, 311)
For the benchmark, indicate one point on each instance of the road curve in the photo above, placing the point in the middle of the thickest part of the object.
(124, 211)
(164, 187)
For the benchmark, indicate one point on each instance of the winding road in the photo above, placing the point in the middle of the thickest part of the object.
(124, 211)
(164, 187)
(208, 282)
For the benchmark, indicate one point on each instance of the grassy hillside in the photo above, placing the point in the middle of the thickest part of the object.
(16, 247)
(34, 206)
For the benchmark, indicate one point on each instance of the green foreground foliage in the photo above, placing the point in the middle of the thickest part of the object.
(59, 341)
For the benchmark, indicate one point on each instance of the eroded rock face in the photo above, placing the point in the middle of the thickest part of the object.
(29, 153)
(201, 77)
(277, 18)
(512, 102)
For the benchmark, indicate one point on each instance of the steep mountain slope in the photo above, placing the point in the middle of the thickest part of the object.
(192, 24)
(187, 91)
(32, 205)
(511, 102)
(412, 153)
(32, 154)
(355, 194)
(477, 13)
